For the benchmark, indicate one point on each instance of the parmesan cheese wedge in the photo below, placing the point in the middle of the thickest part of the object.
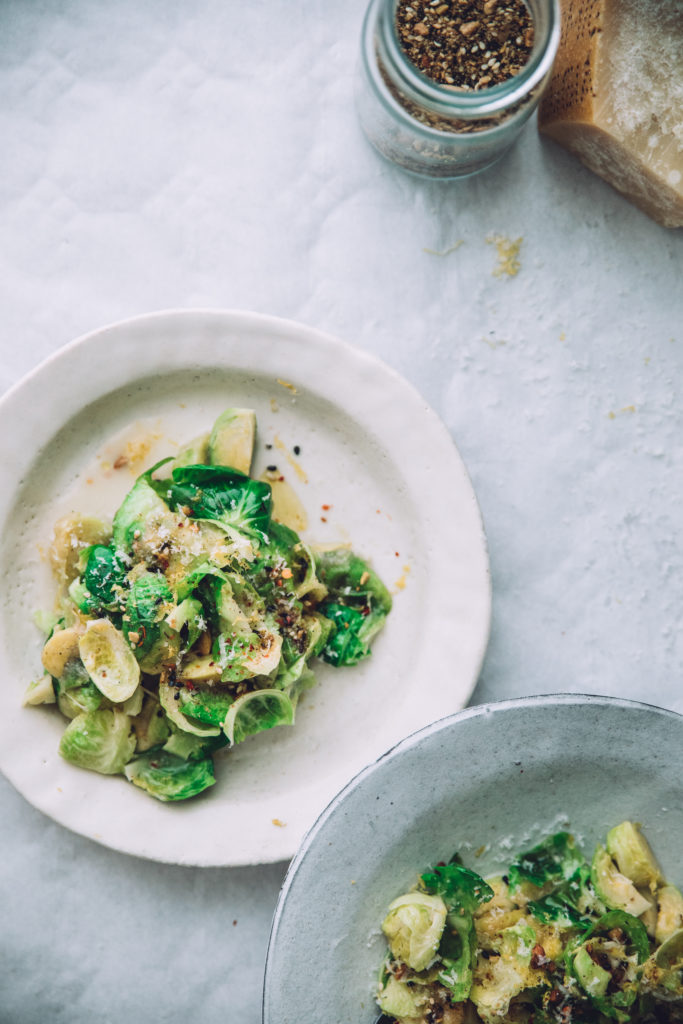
(615, 98)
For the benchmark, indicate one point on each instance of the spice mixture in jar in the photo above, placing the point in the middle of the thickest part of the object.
(446, 86)
(466, 44)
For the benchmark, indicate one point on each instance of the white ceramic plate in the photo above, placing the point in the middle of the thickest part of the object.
(498, 777)
(370, 448)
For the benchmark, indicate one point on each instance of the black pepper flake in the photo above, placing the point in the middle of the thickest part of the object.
(297, 449)
(272, 469)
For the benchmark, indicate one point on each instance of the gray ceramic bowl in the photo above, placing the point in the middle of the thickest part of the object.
(500, 776)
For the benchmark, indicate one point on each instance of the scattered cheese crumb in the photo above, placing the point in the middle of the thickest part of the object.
(508, 255)
(625, 409)
(138, 449)
(280, 824)
(286, 384)
(445, 252)
(493, 343)
(400, 583)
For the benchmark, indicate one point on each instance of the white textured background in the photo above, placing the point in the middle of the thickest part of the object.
(166, 154)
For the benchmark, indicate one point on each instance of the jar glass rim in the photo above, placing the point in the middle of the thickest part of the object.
(454, 102)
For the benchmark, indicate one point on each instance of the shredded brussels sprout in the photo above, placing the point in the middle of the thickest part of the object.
(189, 624)
(549, 942)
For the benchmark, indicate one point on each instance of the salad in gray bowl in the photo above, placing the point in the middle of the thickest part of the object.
(496, 784)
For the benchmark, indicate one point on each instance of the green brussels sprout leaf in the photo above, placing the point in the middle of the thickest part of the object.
(205, 705)
(257, 711)
(148, 604)
(231, 442)
(169, 696)
(223, 496)
(169, 777)
(191, 747)
(566, 906)
(357, 603)
(460, 888)
(101, 741)
(104, 579)
(557, 857)
(141, 503)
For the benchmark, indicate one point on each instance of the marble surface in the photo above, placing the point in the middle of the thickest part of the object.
(166, 155)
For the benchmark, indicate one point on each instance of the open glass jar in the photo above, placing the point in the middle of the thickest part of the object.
(438, 130)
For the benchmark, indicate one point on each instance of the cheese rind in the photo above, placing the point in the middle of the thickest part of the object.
(615, 98)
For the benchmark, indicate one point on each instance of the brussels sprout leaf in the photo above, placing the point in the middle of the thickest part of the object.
(352, 581)
(99, 740)
(169, 777)
(458, 952)
(555, 858)
(209, 706)
(142, 501)
(358, 604)
(191, 747)
(104, 578)
(148, 601)
(223, 495)
(344, 645)
(565, 905)
(256, 711)
(458, 886)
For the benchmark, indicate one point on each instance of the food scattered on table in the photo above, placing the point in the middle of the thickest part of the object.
(615, 98)
(507, 249)
(447, 251)
(554, 940)
(190, 622)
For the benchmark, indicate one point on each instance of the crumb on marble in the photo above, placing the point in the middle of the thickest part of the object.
(507, 250)
(401, 582)
(447, 251)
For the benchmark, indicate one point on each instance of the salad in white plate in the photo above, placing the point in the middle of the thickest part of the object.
(190, 621)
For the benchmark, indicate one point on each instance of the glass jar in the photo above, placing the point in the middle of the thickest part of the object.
(436, 130)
